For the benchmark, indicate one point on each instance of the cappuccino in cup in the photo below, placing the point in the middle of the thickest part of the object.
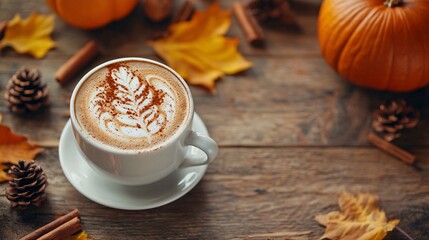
(132, 105)
(132, 121)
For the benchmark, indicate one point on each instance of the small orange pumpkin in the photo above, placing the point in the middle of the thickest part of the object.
(379, 44)
(90, 14)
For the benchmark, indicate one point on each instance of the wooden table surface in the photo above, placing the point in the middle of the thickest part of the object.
(292, 136)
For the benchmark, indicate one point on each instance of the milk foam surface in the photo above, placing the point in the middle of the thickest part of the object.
(132, 105)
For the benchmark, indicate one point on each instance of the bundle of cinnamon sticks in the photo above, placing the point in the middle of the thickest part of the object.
(58, 229)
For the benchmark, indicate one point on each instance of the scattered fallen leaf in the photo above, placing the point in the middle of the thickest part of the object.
(14, 148)
(31, 35)
(81, 236)
(359, 218)
(199, 51)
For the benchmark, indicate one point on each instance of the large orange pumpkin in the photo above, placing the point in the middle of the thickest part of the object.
(379, 44)
(90, 14)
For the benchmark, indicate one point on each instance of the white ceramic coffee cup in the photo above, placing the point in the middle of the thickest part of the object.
(138, 167)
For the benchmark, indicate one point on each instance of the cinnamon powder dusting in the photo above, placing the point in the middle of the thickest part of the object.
(111, 94)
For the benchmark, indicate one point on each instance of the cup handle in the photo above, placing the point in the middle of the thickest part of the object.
(204, 143)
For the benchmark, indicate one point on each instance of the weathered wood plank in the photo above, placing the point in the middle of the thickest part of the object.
(292, 101)
(248, 191)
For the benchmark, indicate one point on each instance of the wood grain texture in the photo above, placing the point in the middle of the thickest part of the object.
(292, 136)
(247, 191)
(279, 102)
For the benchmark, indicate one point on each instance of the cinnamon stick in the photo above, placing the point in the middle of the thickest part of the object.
(63, 231)
(52, 225)
(249, 25)
(76, 62)
(391, 149)
(185, 13)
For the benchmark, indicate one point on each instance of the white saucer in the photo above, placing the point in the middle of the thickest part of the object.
(105, 192)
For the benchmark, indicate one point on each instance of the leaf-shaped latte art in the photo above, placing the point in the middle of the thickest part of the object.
(130, 106)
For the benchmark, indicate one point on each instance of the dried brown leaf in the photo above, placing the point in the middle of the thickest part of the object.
(13, 148)
(359, 218)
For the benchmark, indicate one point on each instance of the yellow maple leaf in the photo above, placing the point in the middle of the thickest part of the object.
(359, 218)
(197, 49)
(31, 35)
(14, 148)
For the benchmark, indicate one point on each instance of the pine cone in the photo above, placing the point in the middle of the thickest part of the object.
(273, 10)
(394, 116)
(26, 92)
(27, 186)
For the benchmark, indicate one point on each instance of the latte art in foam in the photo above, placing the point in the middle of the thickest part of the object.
(127, 106)
(132, 105)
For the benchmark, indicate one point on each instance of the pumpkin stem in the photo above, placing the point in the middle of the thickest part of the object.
(392, 3)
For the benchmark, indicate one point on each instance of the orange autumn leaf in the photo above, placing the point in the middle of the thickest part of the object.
(14, 148)
(359, 218)
(198, 49)
(31, 35)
